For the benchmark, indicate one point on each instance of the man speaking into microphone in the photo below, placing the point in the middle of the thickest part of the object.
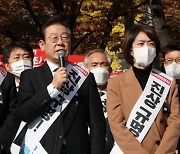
(59, 100)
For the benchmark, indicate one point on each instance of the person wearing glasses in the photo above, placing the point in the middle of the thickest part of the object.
(172, 60)
(172, 65)
(60, 102)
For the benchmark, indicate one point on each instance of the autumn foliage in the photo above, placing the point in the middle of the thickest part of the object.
(95, 23)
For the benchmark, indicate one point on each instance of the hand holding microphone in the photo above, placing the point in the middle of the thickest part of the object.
(60, 75)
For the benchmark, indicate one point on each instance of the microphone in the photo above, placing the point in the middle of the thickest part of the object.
(61, 55)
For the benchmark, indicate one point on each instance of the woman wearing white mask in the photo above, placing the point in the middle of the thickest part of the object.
(137, 115)
(172, 64)
(17, 57)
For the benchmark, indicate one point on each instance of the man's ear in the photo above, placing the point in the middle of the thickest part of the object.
(6, 65)
(42, 45)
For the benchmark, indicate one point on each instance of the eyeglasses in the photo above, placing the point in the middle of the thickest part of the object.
(54, 38)
(170, 60)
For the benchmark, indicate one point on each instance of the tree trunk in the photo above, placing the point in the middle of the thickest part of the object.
(159, 21)
(128, 21)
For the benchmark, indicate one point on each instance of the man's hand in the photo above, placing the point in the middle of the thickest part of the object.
(60, 77)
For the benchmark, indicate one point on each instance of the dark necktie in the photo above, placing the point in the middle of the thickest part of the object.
(101, 93)
(55, 69)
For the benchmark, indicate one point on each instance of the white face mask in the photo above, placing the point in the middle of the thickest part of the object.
(173, 70)
(144, 56)
(101, 75)
(20, 66)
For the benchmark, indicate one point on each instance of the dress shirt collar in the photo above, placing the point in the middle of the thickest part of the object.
(52, 66)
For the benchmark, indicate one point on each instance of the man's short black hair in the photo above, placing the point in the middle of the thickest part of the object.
(52, 21)
(171, 46)
(17, 44)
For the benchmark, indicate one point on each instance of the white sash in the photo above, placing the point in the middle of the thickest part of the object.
(37, 129)
(3, 74)
(149, 104)
(147, 107)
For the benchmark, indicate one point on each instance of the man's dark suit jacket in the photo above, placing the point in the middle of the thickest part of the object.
(33, 99)
(8, 90)
(178, 83)
(8, 121)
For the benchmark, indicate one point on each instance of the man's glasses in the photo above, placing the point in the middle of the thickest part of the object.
(170, 60)
(54, 38)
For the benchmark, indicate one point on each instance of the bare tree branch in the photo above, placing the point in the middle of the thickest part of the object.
(58, 5)
(9, 34)
(24, 7)
(81, 40)
(30, 10)
(74, 17)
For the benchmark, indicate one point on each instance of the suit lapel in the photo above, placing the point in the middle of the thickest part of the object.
(46, 73)
(132, 84)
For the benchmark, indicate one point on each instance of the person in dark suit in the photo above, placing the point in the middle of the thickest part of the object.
(98, 62)
(8, 104)
(38, 87)
(17, 57)
(172, 65)
(8, 97)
